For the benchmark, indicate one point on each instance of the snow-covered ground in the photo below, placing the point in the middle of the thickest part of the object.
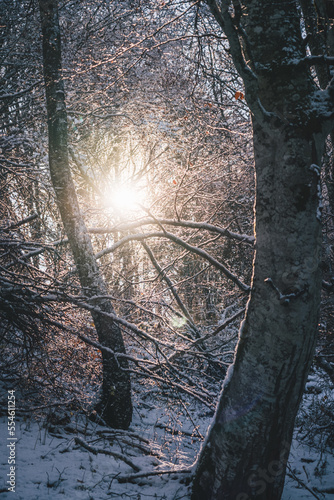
(52, 463)
(78, 459)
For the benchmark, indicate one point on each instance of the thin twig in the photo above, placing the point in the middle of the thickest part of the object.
(114, 454)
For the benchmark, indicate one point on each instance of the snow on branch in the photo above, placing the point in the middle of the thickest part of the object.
(15, 225)
(165, 277)
(225, 21)
(114, 454)
(142, 370)
(199, 251)
(310, 60)
(222, 326)
(245, 238)
(133, 477)
(14, 95)
(284, 298)
(234, 34)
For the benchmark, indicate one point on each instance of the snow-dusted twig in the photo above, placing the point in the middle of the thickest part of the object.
(301, 483)
(310, 60)
(129, 438)
(326, 366)
(245, 238)
(245, 68)
(165, 277)
(114, 454)
(167, 428)
(133, 477)
(121, 432)
(181, 387)
(14, 225)
(191, 248)
(15, 95)
(222, 326)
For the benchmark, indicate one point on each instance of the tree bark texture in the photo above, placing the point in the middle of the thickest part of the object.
(116, 388)
(319, 26)
(247, 447)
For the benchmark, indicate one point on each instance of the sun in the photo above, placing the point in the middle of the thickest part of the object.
(124, 198)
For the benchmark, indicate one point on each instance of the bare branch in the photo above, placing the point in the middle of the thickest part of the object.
(114, 454)
(133, 477)
(224, 19)
(20, 223)
(178, 223)
(171, 287)
(202, 253)
(4, 97)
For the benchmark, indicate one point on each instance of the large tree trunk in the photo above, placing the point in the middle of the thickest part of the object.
(245, 453)
(116, 389)
(248, 445)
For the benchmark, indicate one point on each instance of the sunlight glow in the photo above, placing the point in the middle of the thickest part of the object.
(124, 198)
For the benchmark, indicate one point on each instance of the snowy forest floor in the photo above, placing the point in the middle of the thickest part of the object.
(62, 455)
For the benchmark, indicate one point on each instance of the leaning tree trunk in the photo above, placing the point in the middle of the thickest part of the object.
(116, 388)
(245, 453)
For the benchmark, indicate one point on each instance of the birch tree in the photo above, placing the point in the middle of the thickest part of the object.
(247, 447)
(115, 404)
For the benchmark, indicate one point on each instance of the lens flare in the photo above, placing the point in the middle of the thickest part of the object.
(124, 198)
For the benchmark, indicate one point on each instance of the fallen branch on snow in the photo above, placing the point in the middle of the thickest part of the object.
(114, 454)
(132, 477)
